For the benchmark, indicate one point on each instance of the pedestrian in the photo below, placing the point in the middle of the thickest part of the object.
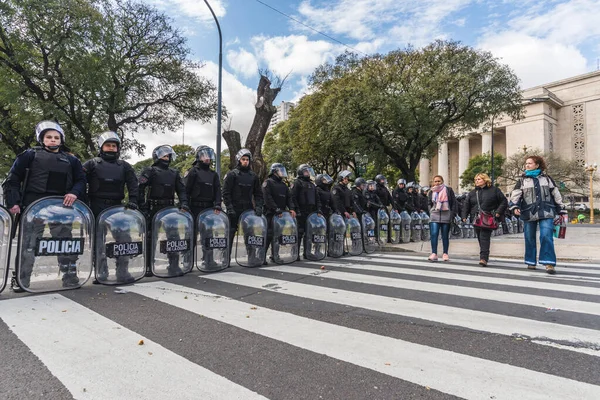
(537, 200)
(107, 177)
(442, 209)
(581, 218)
(46, 170)
(487, 198)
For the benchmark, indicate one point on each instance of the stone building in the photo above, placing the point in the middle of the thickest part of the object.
(562, 116)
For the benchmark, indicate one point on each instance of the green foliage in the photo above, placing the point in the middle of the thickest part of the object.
(95, 65)
(482, 164)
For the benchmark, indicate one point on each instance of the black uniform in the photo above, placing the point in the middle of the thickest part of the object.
(401, 200)
(203, 187)
(107, 177)
(306, 201)
(48, 174)
(241, 192)
(385, 198)
(359, 202)
(325, 199)
(277, 199)
(162, 183)
(342, 199)
(373, 203)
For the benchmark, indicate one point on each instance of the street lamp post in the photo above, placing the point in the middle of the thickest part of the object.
(591, 168)
(219, 91)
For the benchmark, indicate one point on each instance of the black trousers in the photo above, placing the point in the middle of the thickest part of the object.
(484, 236)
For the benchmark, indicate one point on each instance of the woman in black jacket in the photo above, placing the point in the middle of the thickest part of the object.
(484, 197)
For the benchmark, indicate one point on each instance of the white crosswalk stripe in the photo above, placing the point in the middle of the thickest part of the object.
(91, 344)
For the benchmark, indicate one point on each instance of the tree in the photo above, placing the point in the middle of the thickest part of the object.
(481, 164)
(95, 65)
(402, 104)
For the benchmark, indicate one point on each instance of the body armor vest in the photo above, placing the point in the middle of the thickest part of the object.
(50, 173)
(307, 198)
(162, 186)
(203, 190)
(108, 180)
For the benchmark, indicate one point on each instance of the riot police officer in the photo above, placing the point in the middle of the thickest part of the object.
(305, 198)
(107, 176)
(323, 182)
(162, 182)
(342, 198)
(382, 191)
(373, 200)
(277, 198)
(202, 184)
(47, 170)
(241, 192)
(359, 202)
(401, 198)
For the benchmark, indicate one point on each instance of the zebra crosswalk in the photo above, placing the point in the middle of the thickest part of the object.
(386, 326)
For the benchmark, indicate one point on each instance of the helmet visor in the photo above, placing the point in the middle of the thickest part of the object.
(165, 151)
(206, 154)
(108, 137)
(345, 174)
(280, 171)
(326, 179)
(371, 186)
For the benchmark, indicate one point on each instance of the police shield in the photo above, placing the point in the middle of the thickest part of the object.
(251, 240)
(337, 234)
(172, 235)
(368, 229)
(315, 237)
(406, 226)
(354, 241)
(285, 238)
(54, 250)
(383, 226)
(415, 227)
(212, 237)
(395, 227)
(425, 235)
(120, 246)
(5, 245)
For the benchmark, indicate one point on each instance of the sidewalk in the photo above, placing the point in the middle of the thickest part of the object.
(582, 243)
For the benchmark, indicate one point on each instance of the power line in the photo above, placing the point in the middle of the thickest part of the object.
(309, 27)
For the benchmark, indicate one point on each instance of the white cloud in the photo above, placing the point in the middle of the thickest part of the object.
(191, 8)
(535, 60)
(243, 62)
(239, 100)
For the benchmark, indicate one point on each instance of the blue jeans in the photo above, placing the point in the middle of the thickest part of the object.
(547, 254)
(435, 228)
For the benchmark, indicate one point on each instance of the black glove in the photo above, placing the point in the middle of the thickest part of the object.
(184, 207)
(218, 208)
(131, 205)
(230, 212)
(258, 211)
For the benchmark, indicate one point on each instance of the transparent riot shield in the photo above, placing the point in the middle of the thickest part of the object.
(337, 234)
(212, 237)
(395, 227)
(354, 241)
(5, 245)
(120, 244)
(251, 240)
(315, 237)
(415, 227)
(285, 238)
(383, 226)
(406, 226)
(54, 250)
(172, 235)
(425, 234)
(368, 229)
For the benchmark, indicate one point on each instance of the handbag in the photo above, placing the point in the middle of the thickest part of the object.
(484, 219)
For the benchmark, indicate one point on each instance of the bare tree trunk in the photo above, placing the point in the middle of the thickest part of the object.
(234, 144)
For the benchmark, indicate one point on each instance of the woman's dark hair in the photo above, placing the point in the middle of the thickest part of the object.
(539, 161)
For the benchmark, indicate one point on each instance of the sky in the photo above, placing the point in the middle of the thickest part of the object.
(542, 41)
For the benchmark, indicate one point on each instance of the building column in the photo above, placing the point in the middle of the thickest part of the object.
(486, 142)
(424, 172)
(463, 157)
(443, 161)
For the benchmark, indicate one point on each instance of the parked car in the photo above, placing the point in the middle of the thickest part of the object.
(577, 206)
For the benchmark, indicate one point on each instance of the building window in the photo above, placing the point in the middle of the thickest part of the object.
(579, 134)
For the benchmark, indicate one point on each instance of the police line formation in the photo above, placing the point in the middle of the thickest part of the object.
(72, 223)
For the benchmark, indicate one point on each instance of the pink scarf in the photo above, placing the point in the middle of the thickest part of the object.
(440, 198)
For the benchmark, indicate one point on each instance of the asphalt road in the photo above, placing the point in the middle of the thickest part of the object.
(389, 326)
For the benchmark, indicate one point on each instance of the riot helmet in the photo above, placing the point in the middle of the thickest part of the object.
(278, 169)
(205, 155)
(242, 153)
(380, 179)
(108, 137)
(301, 172)
(401, 182)
(163, 150)
(344, 174)
(360, 182)
(371, 185)
(324, 179)
(42, 127)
